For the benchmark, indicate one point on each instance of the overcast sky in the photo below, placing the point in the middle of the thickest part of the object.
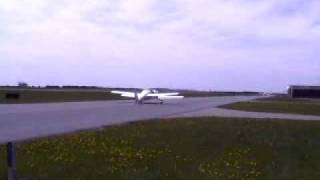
(201, 44)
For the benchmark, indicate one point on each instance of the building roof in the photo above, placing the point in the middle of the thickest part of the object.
(305, 87)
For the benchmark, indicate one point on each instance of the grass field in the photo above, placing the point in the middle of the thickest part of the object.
(30, 95)
(206, 148)
(215, 93)
(279, 105)
(38, 96)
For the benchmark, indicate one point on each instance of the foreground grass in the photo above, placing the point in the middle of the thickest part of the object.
(206, 148)
(279, 105)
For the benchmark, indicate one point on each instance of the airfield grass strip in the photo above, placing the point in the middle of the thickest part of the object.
(45, 96)
(202, 148)
(282, 105)
(69, 95)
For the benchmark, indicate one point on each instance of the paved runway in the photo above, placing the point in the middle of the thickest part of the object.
(25, 121)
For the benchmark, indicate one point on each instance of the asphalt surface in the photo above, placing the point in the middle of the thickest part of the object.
(25, 121)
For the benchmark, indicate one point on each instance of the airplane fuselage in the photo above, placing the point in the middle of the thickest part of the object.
(149, 94)
(142, 96)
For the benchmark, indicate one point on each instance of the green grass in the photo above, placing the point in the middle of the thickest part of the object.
(215, 93)
(284, 98)
(279, 105)
(206, 148)
(32, 95)
(42, 96)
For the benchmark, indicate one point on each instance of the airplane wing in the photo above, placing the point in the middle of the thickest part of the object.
(170, 97)
(162, 94)
(124, 93)
(165, 96)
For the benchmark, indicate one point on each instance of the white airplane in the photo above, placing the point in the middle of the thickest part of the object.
(149, 94)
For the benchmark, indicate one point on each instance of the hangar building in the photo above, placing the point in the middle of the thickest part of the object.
(304, 91)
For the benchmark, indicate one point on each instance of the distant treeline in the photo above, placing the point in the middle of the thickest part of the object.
(54, 87)
(72, 87)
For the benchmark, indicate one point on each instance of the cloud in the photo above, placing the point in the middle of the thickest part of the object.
(203, 44)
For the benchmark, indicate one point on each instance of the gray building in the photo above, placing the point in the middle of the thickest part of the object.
(304, 91)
